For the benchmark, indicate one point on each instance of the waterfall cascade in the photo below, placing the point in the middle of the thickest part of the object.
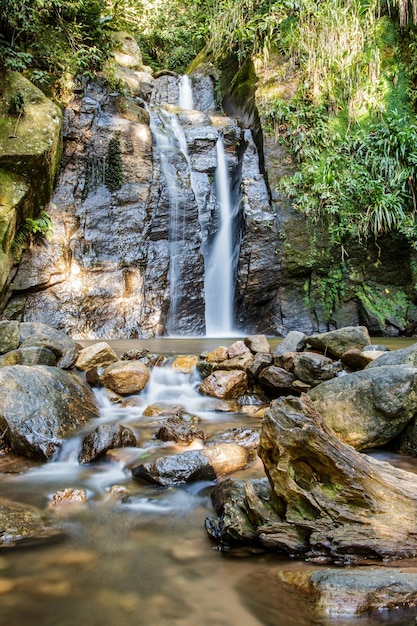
(130, 261)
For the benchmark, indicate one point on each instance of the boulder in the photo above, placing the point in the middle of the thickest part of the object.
(402, 356)
(192, 465)
(259, 363)
(368, 408)
(336, 342)
(178, 428)
(105, 437)
(224, 384)
(355, 359)
(237, 348)
(313, 368)
(276, 381)
(325, 501)
(295, 341)
(40, 406)
(185, 363)
(9, 335)
(125, 377)
(29, 356)
(25, 525)
(36, 334)
(217, 355)
(97, 355)
(239, 362)
(355, 591)
(246, 437)
(258, 343)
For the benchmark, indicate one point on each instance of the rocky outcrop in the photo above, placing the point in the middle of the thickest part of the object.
(30, 150)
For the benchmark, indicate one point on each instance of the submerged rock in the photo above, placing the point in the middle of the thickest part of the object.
(40, 406)
(25, 525)
(355, 591)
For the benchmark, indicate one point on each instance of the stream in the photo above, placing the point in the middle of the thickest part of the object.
(138, 555)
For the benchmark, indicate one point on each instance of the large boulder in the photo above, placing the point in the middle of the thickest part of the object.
(314, 368)
(97, 355)
(402, 356)
(368, 408)
(40, 406)
(336, 342)
(225, 384)
(276, 381)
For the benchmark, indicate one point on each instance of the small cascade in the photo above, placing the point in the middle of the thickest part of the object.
(220, 267)
(185, 99)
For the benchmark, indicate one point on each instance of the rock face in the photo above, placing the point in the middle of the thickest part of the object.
(369, 408)
(39, 406)
(30, 150)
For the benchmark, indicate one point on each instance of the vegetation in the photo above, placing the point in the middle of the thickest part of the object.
(350, 126)
(35, 230)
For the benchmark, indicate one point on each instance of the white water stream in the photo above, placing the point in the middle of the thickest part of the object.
(185, 100)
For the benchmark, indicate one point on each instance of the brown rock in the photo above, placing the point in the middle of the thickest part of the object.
(126, 377)
(224, 385)
(237, 348)
(185, 363)
(97, 355)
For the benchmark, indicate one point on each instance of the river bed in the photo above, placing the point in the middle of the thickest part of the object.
(138, 555)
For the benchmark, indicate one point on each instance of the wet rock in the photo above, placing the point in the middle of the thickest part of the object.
(40, 406)
(29, 356)
(313, 369)
(246, 437)
(355, 591)
(237, 348)
(9, 335)
(368, 408)
(192, 465)
(105, 437)
(225, 384)
(159, 408)
(403, 356)
(184, 363)
(295, 341)
(240, 362)
(178, 428)
(336, 342)
(276, 381)
(25, 525)
(69, 496)
(220, 353)
(286, 360)
(97, 355)
(259, 363)
(36, 334)
(258, 343)
(126, 377)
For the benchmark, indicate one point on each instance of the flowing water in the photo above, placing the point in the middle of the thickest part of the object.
(219, 274)
(138, 555)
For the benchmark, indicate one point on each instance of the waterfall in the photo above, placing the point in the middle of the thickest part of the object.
(219, 270)
(185, 99)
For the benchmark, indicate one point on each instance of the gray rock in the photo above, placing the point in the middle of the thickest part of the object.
(276, 381)
(179, 429)
(9, 335)
(402, 356)
(295, 341)
(40, 406)
(192, 465)
(258, 343)
(40, 335)
(313, 368)
(368, 408)
(336, 342)
(355, 591)
(29, 356)
(105, 437)
(260, 361)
